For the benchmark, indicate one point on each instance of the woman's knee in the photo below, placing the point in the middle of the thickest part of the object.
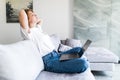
(84, 64)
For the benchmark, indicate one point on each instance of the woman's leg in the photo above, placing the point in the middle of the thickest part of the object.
(75, 50)
(77, 65)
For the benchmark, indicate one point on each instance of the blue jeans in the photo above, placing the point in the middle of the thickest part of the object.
(77, 65)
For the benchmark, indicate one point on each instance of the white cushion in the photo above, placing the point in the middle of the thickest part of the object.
(73, 42)
(99, 54)
(20, 61)
(87, 75)
(105, 66)
(63, 47)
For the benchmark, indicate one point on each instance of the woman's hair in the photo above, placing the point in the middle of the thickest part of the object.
(27, 10)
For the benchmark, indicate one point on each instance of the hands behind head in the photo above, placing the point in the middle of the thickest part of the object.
(40, 21)
(23, 19)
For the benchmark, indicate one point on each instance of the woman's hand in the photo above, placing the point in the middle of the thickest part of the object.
(40, 21)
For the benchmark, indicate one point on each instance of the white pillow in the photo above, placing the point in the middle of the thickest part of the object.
(20, 61)
(63, 47)
(73, 42)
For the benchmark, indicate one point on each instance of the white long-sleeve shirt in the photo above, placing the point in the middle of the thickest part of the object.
(42, 40)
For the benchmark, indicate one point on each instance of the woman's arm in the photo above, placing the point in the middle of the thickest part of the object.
(23, 19)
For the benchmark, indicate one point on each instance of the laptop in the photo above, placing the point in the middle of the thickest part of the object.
(65, 57)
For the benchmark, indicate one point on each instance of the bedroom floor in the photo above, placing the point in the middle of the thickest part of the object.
(108, 75)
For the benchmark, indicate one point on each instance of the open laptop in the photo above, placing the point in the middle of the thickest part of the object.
(72, 56)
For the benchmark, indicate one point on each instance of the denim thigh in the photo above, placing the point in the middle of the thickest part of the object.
(53, 64)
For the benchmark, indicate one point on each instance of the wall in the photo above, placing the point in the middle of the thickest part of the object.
(92, 23)
(8, 32)
(55, 13)
(99, 21)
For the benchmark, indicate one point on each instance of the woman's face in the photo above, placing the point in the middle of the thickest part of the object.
(32, 17)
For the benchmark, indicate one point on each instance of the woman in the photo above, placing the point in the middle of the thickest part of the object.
(31, 29)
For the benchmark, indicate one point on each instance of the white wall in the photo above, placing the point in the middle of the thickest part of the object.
(55, 13)
(8, 32)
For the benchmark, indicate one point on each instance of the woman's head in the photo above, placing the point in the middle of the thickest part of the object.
(28, 18)
(32, 17)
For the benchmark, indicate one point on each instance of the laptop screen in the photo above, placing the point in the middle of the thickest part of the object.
(86, 45)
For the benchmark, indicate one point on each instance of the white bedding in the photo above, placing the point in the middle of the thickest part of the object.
(87, 75)
(99, 54)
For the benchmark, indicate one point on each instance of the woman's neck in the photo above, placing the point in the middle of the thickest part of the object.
(32, 25)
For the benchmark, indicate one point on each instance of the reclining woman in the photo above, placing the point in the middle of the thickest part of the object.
(31, 29)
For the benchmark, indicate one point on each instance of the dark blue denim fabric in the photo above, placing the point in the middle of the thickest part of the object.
(53, 64)
(75, 50)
